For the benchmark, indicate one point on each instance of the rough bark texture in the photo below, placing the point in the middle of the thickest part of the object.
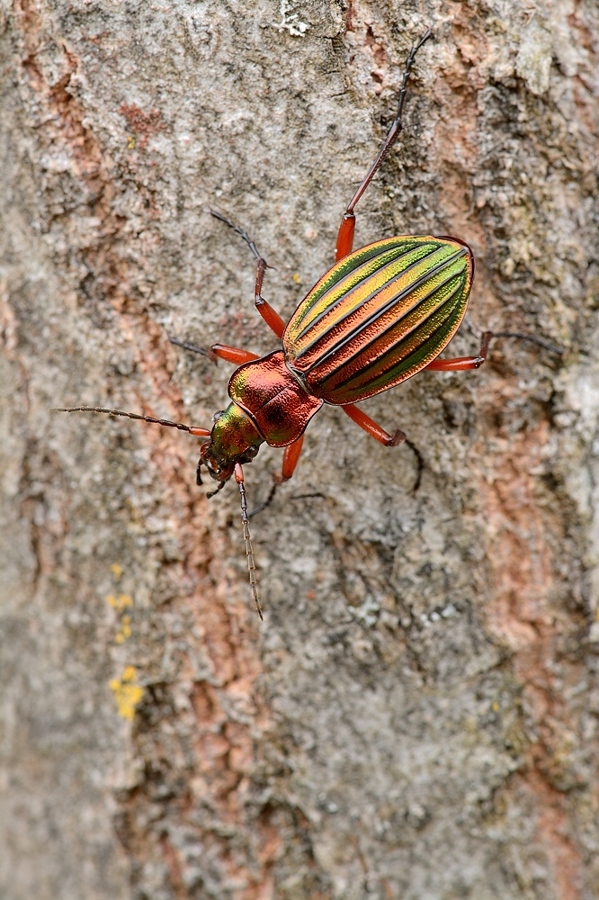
(418, 716)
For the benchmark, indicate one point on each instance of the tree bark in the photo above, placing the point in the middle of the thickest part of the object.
(417, 716)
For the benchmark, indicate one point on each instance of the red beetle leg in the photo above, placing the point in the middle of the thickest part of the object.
(219, 351)
(371, 427)
(270, 315)
(232, 354)
(345, 235)
(290, 460)
(459, 364)
(462, 363)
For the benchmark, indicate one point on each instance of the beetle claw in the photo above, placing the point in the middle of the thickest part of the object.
(399, 437)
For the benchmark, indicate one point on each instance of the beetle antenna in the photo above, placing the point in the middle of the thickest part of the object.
(197, 432)
(249, 550)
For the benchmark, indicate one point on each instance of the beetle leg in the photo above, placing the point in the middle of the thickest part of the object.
(345, 235)
(371, 427)
(219, 351)
(461, 363)
(270, 315)
(290, 460)
(232, 354)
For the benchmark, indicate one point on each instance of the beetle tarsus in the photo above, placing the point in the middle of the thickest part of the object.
(267, 502)
(419, 464)
(216, 490)
(270, 315)
(195, 349)
(242, 234)
(532, 338)
(345, 235)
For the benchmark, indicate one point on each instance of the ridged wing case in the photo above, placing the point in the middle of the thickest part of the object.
(379, 316)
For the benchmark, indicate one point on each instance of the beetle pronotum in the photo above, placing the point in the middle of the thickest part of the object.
(379, 316)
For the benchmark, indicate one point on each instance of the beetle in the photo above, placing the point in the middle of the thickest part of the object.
(379, 316)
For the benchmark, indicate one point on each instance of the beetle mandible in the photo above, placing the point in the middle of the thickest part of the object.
(379, 316)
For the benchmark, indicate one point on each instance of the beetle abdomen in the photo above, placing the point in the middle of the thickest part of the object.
(379, 316)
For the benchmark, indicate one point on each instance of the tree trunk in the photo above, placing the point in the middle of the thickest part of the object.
(417, 716)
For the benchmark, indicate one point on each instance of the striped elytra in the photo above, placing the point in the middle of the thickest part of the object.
(379, 316)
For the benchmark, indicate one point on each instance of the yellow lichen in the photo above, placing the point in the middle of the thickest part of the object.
(121, 602)
(127, 692)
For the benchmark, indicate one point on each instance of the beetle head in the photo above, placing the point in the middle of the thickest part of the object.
(218, 469)
(234, 440)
